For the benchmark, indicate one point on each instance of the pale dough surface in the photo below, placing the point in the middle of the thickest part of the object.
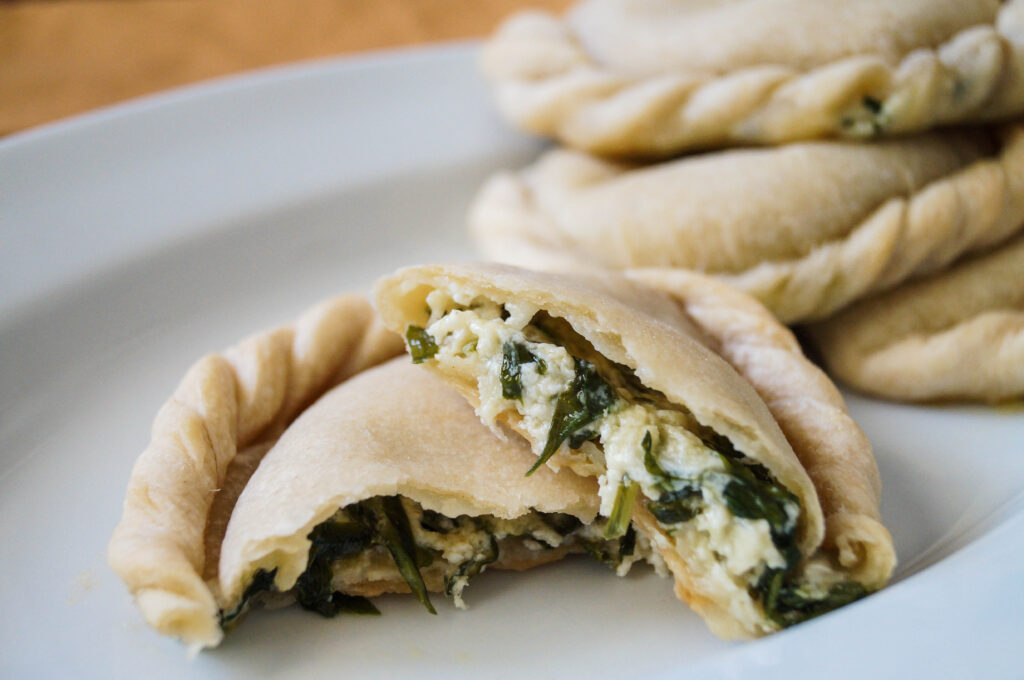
(392, 430)
(806, 228)
(655, 77)
(958, 334)
(670, 341)
(240, 400)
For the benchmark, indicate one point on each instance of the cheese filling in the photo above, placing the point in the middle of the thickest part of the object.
(365, 548)
(734, 524)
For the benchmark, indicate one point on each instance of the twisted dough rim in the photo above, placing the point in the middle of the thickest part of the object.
(546, 83)
(905, 237)
(912, 343)
(226, 402)
(808, 408)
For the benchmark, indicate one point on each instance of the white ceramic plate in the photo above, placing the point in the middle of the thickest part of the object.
(136, 239)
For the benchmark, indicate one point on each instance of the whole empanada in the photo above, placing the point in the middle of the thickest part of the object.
(656, 77)
(616, 380)
(958, 334)
(806, 228)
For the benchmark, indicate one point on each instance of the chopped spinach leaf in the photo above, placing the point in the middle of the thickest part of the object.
(677, 506)
(627, 544)
(436, 522)
(577, 438)
(587, 398)
(786, 604)
(421, 344)
(563, 524)
(751, 493)
(651, 460)
(513, 356)
(262, 581)
(622, 509)
(329, 541)
(392, 530)
(612, 553)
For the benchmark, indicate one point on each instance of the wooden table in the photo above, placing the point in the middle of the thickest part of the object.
(61, 57)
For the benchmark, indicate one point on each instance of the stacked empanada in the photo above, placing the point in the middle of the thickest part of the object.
(955, 335)
(658, 77)
(856, 199)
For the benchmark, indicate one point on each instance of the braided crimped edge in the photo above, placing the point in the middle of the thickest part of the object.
(958, 334)
(904, 237)
(809, 410)
(226, 402)
(546, 83)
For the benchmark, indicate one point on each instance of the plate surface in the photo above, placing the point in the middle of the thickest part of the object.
(135, 240)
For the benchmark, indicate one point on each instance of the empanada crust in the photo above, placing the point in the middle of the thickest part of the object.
(239, 400)
(958, 334)
(393, 430)
(809, 409)
(656, 77)
(806, 228)
(667, 346)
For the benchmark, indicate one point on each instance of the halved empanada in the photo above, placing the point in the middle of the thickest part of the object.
(806, 228)
(656, 77)
(958, 334)
(390, 483)
(611, 378)
(390, 453)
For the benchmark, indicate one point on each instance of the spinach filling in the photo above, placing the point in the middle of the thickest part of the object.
(750, 492)
(332, 541)
(421, 344)
(747, 489)
(384, 521)
(613, 553)
(513, 356)
(262, 581)
(587, 398)
(869, 117)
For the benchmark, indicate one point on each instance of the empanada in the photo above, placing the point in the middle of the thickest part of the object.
(392, 452)
(611, 378)
(806, 228)
(234, 403)
(958, 334)
(390, 483)
(656, 77)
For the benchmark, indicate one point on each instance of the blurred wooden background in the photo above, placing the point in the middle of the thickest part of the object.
(60, 57)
